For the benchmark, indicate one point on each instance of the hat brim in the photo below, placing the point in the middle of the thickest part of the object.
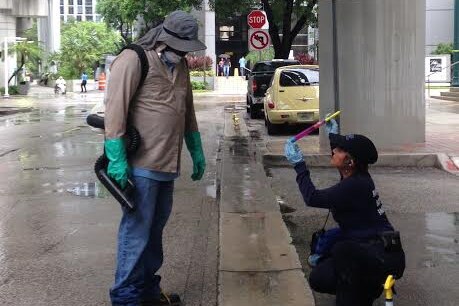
(181, 44)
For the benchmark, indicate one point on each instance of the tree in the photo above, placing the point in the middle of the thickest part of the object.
(26, 51)
(122, 14)
(285, 17)
(82, 44)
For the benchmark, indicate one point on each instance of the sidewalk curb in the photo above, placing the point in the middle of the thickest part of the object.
(258, 264)
(419, 160)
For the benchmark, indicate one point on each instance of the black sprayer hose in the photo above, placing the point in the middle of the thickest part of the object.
(100, 167)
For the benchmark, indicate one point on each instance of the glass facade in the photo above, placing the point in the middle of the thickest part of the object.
(79, 10)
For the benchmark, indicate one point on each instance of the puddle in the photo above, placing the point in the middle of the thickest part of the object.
(211, 191)
(442, 238)
(90, 190)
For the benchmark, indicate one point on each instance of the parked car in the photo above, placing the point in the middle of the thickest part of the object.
(258, 81)
(293, 97)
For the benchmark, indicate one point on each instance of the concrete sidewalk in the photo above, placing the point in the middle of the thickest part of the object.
(258, 264)
(440, 150)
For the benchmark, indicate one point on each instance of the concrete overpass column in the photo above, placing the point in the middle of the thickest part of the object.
(380, 68)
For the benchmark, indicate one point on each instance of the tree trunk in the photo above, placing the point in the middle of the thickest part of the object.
(16, 72)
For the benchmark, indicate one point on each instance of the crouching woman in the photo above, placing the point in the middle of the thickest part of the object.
(368, 248)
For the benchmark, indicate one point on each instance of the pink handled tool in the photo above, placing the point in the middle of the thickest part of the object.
(310, 129)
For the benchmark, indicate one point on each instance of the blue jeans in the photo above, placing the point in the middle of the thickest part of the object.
(140, 248)
(226, 70)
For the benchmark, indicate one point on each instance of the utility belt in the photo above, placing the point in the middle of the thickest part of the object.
(393, 257)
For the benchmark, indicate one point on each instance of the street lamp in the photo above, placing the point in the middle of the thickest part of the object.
(5, 46)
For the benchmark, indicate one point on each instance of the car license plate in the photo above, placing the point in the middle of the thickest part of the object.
(305, 116)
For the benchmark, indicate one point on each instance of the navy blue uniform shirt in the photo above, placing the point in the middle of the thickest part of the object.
(354, 203)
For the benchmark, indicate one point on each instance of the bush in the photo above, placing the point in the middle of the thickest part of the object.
(12, 90)
(199, 62)
(305, 59)
(200, 73)
(198, 85)
(444, 48)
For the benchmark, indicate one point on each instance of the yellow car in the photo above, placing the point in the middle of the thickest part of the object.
(293, 97)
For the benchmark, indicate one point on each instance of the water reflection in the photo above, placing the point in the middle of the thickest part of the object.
(442, 238)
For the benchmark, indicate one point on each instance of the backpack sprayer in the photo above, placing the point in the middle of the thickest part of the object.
(123, 196)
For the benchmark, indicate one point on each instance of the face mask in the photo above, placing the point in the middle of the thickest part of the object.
(172, 57)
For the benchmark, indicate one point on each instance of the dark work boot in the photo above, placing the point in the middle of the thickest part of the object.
(165, 299)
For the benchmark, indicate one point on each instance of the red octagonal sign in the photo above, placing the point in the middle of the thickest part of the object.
(256, 19)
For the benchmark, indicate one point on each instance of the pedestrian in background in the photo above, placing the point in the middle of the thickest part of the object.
(242, 63)
(84, 81)
(221, 63)
(226, 67)
(162, 111)
(368, 248)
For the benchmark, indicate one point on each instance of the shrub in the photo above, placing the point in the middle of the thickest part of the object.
(198, 85)
(12, 90)
(444, 48)
(305, 59)
(200, 73)
(199, 62)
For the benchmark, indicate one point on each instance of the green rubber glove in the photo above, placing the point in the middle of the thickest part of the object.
(115, 151)
(194, 145)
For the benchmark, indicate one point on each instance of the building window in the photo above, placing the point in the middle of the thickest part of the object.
(226, 32)
(88, 10)
(62, 10)
(79, 18)
(89, 2)
(62, 18)
(80, 9)
(70, 2)
(71, 10)
(89, 18)
(80, 2)
(98, 18)
(62, 2)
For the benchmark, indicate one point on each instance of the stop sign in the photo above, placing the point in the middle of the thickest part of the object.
(256, 19)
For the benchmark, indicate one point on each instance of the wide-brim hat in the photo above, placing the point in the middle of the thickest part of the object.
(180, 32)
(358, 146)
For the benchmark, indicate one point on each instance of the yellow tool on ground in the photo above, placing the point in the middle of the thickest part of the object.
(389, 291)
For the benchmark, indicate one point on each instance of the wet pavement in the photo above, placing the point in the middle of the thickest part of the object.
(58, 225)
(421, 203)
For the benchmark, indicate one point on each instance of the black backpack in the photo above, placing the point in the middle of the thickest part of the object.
(143, 61)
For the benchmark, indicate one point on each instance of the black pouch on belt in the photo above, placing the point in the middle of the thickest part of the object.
(392, 242)
(394, 256)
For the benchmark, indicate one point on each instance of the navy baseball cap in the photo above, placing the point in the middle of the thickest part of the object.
(358, 146)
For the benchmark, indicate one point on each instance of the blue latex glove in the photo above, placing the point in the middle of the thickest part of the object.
(293, 152)
(331, 126)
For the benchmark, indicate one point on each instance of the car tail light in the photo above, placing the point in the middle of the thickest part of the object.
(254, 86)
(271, 104)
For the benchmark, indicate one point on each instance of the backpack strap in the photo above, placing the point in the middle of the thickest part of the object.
(143, 61)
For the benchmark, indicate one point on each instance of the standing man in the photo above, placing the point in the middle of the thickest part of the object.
(162, 111)
(242, 63)
(84, 81)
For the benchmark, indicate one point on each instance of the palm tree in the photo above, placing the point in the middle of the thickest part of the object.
(26, 51)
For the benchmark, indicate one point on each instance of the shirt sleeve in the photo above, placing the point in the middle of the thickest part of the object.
(124, 78)
(321, 198)
(191, 124)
